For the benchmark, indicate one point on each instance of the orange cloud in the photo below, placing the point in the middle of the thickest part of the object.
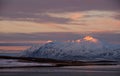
(68, 15)
(17, 48)
(90, 38)
(29, 27)
(76, 16)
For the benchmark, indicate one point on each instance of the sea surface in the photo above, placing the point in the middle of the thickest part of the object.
(113, 70)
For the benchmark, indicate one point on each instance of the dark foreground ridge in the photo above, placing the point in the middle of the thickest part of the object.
(58, 63)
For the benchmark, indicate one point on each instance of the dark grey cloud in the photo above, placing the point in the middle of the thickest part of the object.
(35, 18)
(59, 5)
(16, 44)
(33, 6)
(59, 36)
(117, 17)
(16, 9)
(37, 36)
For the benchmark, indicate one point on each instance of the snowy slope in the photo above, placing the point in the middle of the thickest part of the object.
(83, 49)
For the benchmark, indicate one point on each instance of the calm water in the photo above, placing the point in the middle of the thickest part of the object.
(63, 71)
(109, 70)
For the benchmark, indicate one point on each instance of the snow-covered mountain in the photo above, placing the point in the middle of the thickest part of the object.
(88, 48)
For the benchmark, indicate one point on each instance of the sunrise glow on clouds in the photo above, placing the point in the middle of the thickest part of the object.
(86, 21)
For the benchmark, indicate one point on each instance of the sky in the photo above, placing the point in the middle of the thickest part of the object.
(40, 20)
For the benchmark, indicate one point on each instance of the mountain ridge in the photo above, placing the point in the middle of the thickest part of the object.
(87, 48)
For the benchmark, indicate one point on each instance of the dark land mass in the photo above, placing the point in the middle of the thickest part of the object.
(59, 63)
